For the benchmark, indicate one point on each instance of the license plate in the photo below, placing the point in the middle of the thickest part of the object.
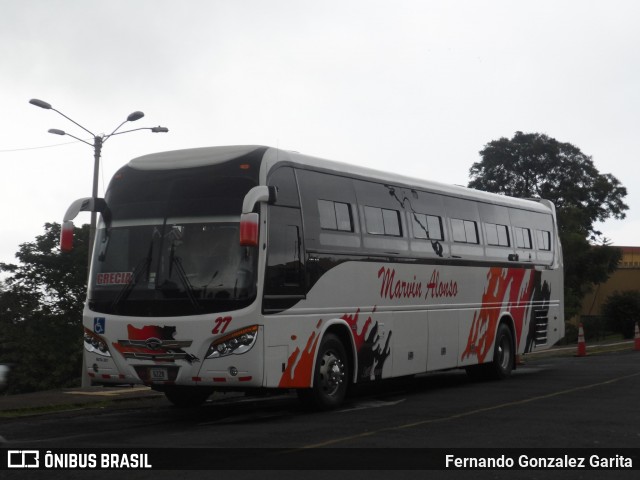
(158, 374)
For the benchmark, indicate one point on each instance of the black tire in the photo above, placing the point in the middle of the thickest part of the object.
(331, 376)
(503, 358)
(187, 397)
(503, 354)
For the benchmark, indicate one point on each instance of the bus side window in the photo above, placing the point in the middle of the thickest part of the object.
(544, 240)
(335, 216)
(427, 226)
(464, 231)
(497, 235)
(544, 246)
(523, 237)
(464, 220)
(330, 215)
(382, 221)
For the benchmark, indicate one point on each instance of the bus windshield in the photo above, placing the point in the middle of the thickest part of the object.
(172, 248)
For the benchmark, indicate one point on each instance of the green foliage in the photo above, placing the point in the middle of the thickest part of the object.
(622, 310)
(534, 165)
(570, 334)
(538, 166)
(584, 265)
(595, 327)
(41, 304)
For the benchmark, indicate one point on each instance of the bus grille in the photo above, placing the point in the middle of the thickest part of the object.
(542, 325)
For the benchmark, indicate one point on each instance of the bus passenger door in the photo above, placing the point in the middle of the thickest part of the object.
(284, 287)
(284, 284)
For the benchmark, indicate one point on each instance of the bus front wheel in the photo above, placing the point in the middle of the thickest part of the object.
(331, 376)
(187, 397)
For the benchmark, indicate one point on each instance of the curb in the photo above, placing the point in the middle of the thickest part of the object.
(599, 348)
(39, 403)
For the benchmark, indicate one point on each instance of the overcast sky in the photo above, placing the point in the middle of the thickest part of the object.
(415, 87)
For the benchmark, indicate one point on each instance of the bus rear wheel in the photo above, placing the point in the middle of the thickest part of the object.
(503, 358)
(331, 376)
(503, 354)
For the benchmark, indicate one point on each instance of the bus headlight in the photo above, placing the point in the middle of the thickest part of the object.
(95, 344)
(235, 343)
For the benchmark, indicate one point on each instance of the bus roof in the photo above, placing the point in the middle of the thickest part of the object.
(191, 157)
(274, 156)
(196, 157)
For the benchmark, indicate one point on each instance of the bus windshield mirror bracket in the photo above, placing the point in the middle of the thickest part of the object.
(89, 204)
(258, 195)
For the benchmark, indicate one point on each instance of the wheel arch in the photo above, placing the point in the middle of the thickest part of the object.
(341, 329)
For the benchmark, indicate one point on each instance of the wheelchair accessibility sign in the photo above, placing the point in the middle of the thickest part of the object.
(99, 325)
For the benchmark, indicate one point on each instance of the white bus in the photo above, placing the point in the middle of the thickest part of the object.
(248, 267)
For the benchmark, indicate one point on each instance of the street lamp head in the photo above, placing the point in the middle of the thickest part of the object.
(55, 131)
(137, 115)
(40, 103)
(159, 129)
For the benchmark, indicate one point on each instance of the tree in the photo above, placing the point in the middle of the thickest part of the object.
(534, 165)
(41, 304)
(622, 310)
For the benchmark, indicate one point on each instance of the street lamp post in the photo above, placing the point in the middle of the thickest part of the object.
(98, 141)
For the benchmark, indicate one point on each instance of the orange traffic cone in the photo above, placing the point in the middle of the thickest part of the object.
(636, 339)
(582, 347)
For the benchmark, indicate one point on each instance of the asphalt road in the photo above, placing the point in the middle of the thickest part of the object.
(556, 402)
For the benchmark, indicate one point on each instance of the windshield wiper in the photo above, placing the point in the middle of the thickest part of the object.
(124, 292)
(182, 275)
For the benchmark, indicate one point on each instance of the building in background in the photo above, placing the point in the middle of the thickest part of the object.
(627, 277)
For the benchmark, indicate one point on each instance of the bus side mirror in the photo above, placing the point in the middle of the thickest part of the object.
(66, 236)
(88, 204)
(249, 220)
(249, 229)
